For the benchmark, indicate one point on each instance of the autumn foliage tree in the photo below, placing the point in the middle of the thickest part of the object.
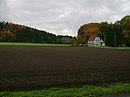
(86, 30)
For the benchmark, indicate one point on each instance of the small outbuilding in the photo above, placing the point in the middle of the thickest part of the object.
(95, 41)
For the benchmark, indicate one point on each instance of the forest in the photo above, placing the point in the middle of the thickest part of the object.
(114, 34)
(10, 32)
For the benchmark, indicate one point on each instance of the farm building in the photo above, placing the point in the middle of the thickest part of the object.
(95, 41)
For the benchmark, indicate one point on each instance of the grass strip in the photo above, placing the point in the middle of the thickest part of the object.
(30, 44)
(87, 91)
(123, 48)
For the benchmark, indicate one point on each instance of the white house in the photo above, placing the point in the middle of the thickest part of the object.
(95, 41)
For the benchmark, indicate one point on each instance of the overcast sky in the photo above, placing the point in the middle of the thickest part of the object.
(62, 16)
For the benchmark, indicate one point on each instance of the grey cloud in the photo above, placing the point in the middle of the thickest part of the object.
(4, 11)
(66, 16)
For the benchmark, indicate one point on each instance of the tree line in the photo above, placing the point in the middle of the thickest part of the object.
(114, 34)
(10, 32)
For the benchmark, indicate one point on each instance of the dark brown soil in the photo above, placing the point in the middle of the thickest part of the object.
(29, 68)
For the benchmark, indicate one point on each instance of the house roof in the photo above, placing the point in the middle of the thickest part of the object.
(92, 37)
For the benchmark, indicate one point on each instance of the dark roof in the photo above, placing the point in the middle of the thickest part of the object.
(92, 37)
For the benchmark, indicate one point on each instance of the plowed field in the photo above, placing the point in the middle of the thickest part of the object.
(29, 68)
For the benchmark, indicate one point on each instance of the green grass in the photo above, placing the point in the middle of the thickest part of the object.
(123, 48)
(29, 44)
(87, 91)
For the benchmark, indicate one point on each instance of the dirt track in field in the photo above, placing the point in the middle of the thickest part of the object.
(28, 68)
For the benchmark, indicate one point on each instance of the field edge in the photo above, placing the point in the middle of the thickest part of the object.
(86, 91)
